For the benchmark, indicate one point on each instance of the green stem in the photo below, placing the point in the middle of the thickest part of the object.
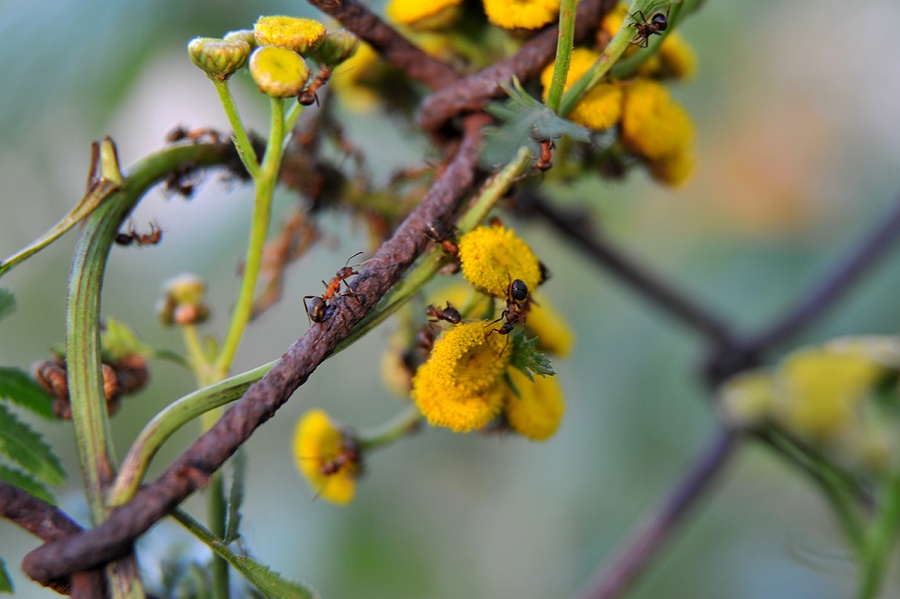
(882, 538)
(241, 140)
(563, 52)
(265, 180)
(216, 513)
(396, 429)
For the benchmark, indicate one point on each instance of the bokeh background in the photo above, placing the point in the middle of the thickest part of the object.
(797, 110)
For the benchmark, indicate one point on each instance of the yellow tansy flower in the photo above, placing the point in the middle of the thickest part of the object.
(677, 57)
(300, 35)
(278, 72)
(653, 124)
(460, 387)
(492, 257)
(537, 410)
(548, 325)
(521, 14)
(819, 393)
(347, 80)
(675, 169)
(326, 457)
(601, 107)
(435, 14)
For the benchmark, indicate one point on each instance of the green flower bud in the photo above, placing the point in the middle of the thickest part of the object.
(278, 72)
(300, 35)
(338, 46)
(242, 35)
(218, 58)
(182, 301)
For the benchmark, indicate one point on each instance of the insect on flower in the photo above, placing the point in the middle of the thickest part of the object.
(644, 29)
(140, 239)
(448, 313)
(517, 304)
(315, 307)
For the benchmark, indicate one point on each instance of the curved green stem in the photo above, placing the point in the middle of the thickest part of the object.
(397, 428)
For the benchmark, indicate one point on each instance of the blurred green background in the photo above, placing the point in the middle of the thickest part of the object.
(797, 109)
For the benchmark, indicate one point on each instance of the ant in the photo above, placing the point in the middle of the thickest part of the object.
(439, 232)
(449, 313)
(315, 309)
(140, 239)
(658, 22)
(544, 162)
(308, 95)
(517, 303)
(180, 134)
(349, 454)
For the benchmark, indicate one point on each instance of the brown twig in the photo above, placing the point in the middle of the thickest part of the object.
(473, 92)
(48, 523)
(392, 46)
(648, 537)
(193, 468)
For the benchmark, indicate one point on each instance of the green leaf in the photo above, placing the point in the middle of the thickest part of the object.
(235, 497)
(16, 386)
(27, 448)
(26, 483)
(528, 359)
(6, 585)
(7, 302)
(118, 341)
(270, 583)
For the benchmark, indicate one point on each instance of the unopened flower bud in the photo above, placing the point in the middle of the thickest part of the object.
(299, 35)
(219, 58)
(278, 72)
(182, 301)
(243, 35)
(338, 46)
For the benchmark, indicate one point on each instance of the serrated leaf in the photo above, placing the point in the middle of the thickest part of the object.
(7, 302)
(6, 585)
(528, 359)
(235, 497)
(27, 448)
(26, 483)
(16, 386)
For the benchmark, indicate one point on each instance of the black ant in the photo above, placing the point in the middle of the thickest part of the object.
(196, 135)
(643, 30)
(517, 303)
(140, 239)
(308, 95)
(315, 309)
(449, 313)
(439, 232)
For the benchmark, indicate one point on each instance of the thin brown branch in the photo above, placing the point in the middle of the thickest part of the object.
(614, 577)
(392, 46)
(473, 92)
(193, 468)
(49, 524)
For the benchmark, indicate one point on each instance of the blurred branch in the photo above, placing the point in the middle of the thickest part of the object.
(473, 92)
(50, 524)
(193, 468)
(615, 576)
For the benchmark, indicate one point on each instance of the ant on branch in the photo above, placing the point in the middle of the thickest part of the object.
(315, 308)
(441, 233)
(449, 313)
(140, 239)
(517, 304)
(196, 135)
(544, 162)
(644, 29)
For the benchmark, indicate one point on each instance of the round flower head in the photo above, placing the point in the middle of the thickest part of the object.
(537, 410)
(323, 456)
(348, 81)
(653, 124)
(436, 14)
(601, 107)
(548, 325)
(219, 58)
(460, 387)
(278, 72)
(521, 14)
(300, 35)
(338, 46)
(493, 257)
(818, 393)
(244, 35)
(677, 57)
(675, 169)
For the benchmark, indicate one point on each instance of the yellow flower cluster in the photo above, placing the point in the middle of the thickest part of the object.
(327, 457)
(435, 14)
(819, 394)
(521, 14)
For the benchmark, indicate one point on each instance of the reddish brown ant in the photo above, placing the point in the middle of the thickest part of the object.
(308, 95)
(349, 454)
(544, 162)
(517, 304)
(140, 239)
(449, 313)
(439, 232)
(196, 135)
(315, 309)
(644, 29)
